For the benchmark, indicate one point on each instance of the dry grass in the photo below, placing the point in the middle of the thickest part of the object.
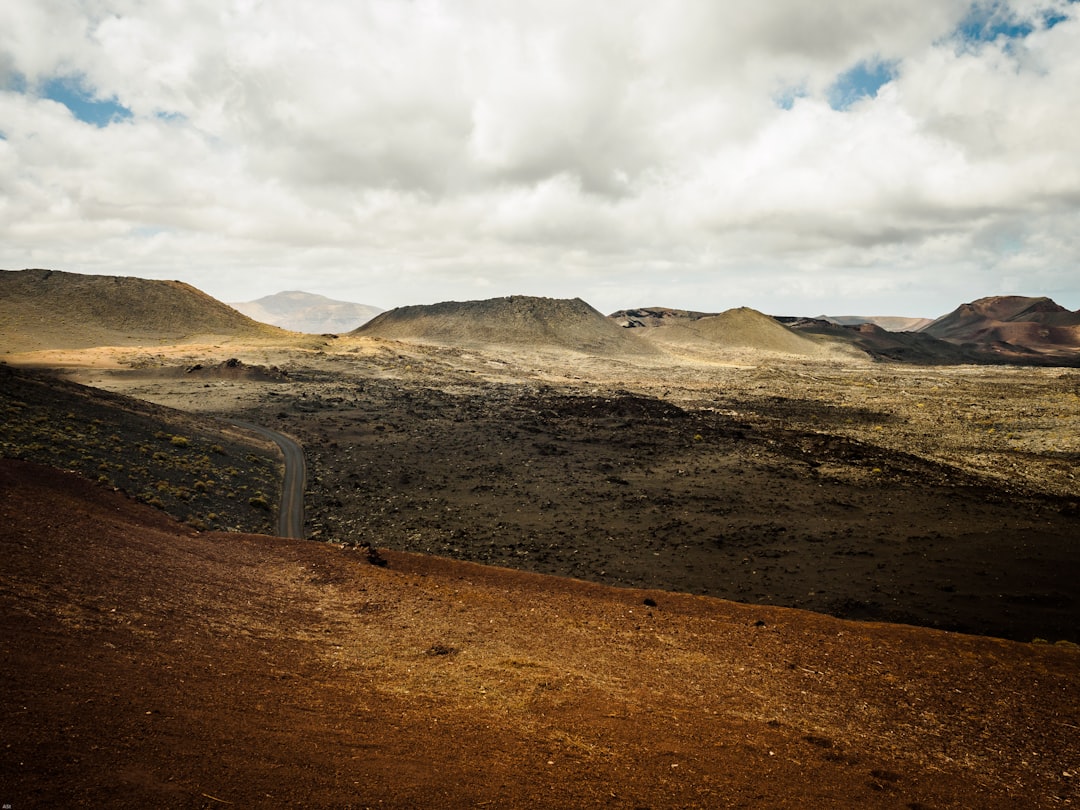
(207, 476)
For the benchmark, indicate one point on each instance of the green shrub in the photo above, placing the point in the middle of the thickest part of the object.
(260, 502)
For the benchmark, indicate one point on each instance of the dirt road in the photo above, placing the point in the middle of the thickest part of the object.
(291, 509)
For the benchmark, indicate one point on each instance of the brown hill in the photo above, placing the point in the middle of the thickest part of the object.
(147, 665)
(748, 329)
(516, 321)
(48, 309)
(881, 344)
(1012, 325)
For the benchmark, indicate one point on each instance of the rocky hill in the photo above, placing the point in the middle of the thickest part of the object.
(514, 321)
(300, 311)
(49, 309)
(1012, 326)
(744, 329)
(650, 317)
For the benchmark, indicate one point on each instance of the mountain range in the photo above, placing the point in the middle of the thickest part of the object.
(50, 309)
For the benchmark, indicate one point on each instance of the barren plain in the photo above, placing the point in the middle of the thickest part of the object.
(939, 496)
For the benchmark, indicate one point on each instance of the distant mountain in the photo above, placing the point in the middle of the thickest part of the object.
(515, 320)
(1011, 325)
(890, 323)
(307, 312)
(49, 309)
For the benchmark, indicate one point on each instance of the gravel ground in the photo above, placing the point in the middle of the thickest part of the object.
(938, 496)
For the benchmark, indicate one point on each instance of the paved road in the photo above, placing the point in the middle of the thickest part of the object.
(291, 510)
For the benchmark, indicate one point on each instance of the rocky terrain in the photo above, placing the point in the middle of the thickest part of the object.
(208, 474)
(514, 321)
(942, 497)
(514, 460)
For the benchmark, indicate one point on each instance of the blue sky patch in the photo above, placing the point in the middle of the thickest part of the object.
(786, 98)
(862, 81)
(1052, 18)
(14, 82)
(71, 92)
(990, 20)
(985, 22)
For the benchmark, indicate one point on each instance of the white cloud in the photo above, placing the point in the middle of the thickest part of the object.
(399, 152)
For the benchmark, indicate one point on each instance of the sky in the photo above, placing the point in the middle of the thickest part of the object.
(837, 157)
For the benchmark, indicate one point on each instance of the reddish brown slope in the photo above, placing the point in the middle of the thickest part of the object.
(1011, 323)
(147, 666)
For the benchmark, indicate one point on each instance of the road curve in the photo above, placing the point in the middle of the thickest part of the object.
(291, 508)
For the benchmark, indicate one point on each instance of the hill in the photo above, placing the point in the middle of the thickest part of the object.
(890, 323)
(513, 321)
(199, 470)
(49, 309)
(258, 671)
(650, 317)
(307, 312)
(903, 347)
(745, 329)
(1012, 326)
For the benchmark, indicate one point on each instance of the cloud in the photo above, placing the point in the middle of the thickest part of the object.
(404, 152)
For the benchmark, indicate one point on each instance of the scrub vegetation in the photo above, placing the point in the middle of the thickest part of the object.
(203, 477)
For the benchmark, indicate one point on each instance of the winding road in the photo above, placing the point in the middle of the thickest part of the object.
(291, 508)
